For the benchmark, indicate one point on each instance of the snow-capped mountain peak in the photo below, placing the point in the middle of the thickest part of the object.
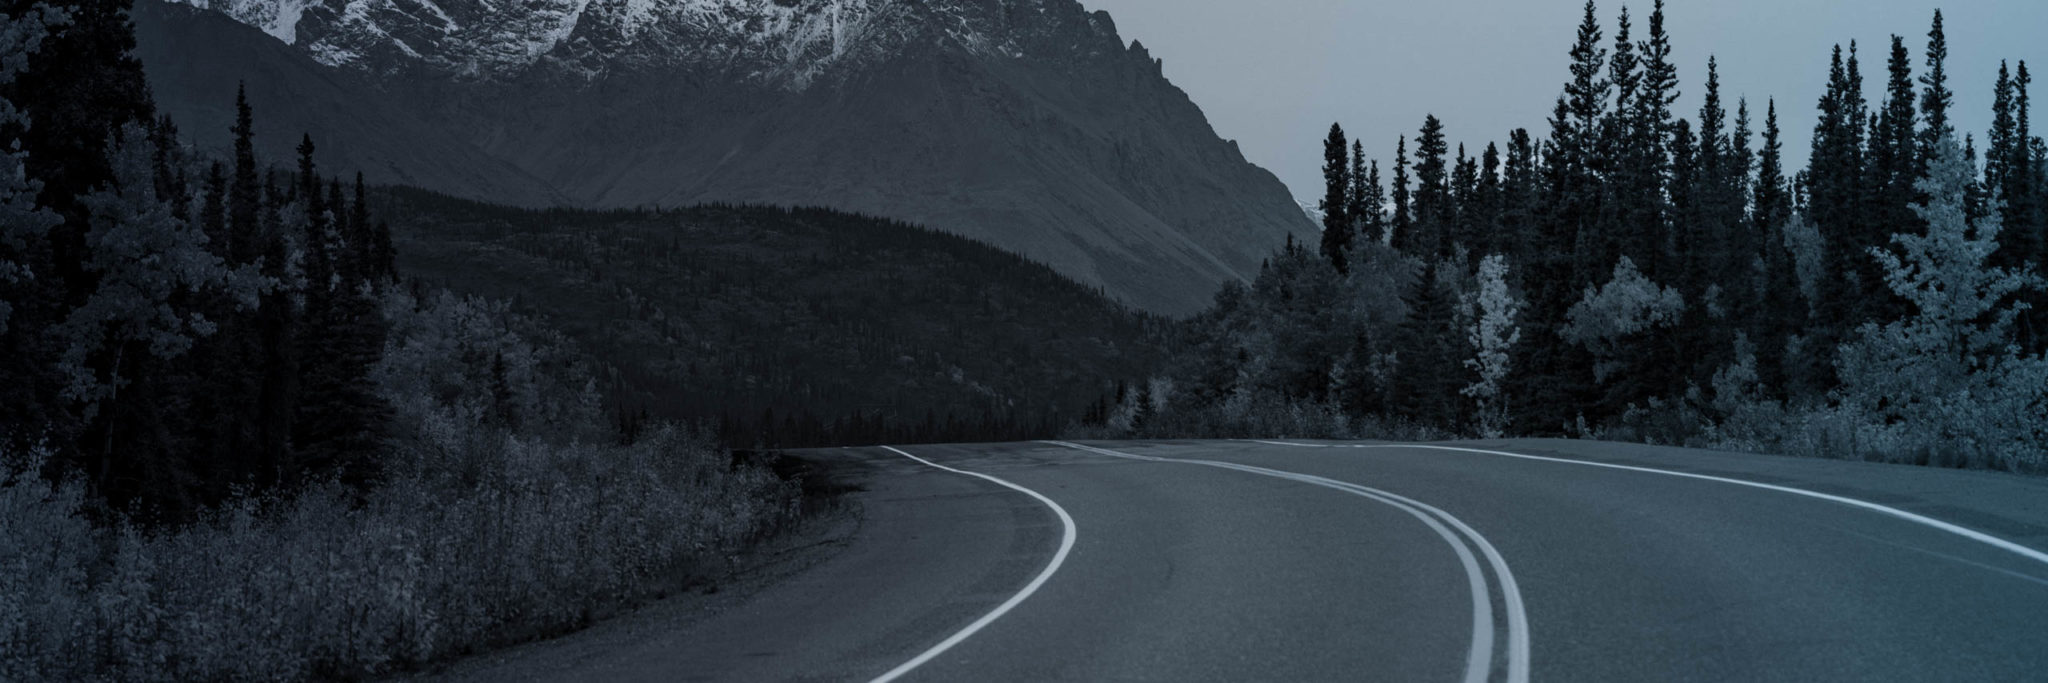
(785, 43)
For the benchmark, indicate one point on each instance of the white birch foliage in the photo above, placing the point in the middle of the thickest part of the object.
(1949, 375)
(1629, 304)
(1492, 310)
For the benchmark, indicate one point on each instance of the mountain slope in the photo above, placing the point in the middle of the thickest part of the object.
(722, 311)
(1027, 124)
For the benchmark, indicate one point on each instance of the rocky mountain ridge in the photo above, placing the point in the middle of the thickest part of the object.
(1027, 124)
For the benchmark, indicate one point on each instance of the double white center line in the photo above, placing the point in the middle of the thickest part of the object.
(1479, 660)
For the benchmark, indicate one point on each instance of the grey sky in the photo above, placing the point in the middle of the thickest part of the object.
(1273, 74)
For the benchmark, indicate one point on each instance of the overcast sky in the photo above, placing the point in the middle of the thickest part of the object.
(1273, 74)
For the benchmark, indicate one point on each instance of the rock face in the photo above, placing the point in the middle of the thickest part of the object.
(1027, 124)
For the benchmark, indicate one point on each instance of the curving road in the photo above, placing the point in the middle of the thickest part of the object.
(1496, 561)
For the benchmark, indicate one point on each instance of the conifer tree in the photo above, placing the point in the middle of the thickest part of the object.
(2009, 170)
(1999, 143)
(1487, 212)
(1365, 216)
(1520, 180)
(1433, 209)
(1468, 209)
(1645, 212)
(1402, 229)
(1575, 145)
(1336, 193)
(1426, 385)
(1834, 183)
(245, 201)
(1676, 257)
(1935, 97)
(1781, 309)
(1894, 157)
(1372, 205)
(213, 212)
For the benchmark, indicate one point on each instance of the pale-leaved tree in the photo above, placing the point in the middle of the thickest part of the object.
(1492, 310)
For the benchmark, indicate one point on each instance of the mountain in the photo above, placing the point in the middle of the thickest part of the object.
(1025, 124)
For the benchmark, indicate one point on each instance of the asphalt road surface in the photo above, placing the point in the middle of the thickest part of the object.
(1478, 561)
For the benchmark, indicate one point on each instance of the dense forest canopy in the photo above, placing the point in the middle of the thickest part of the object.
(1636, 272)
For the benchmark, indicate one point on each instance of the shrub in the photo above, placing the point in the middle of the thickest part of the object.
(482, 534)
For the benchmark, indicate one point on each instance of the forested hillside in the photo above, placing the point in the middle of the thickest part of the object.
(1635, 273)
(794, 326)
(232, 447)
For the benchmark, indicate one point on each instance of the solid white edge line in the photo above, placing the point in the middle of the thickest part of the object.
(1479, 659)
(1962, 531)
(1058, 558)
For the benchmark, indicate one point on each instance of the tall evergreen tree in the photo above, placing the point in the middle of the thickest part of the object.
(1772, 205)
(1894, 153)
(1467, 207)
(1488, 205)
(2027, 183)
(245, 201)
(1336, 194)
(1935, 97)
(1835, 202)
(1402, 229)
(1784, 310)
(1365, 219)
(1374, 204)
(1520, 183)
(1433, 209)
(1647, 158)
(1575, 143)
(1999, 143)
(1426, 385)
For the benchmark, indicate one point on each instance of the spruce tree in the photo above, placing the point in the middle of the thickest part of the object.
(278, 323)
(1834, 184)
(1372, 205)
(1467, 208)
(1336, 192)
(1358, 205)
(213, 212)
(1520, 180)
(1645, 211)
(245, 201)
(1426, 384)
(1999, 143)
(1579, 154)
(1402, 229)
(1935, 97)
(1433, 209)
(2009, 170)
(1784, 310)
(1894, 155)
(1487, 209)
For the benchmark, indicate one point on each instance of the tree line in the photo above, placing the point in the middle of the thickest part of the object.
(1630, 262)
(176, 329)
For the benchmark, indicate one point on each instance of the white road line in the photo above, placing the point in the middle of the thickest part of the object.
(1964, 532)
(1058, 558)
(1479, 660)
